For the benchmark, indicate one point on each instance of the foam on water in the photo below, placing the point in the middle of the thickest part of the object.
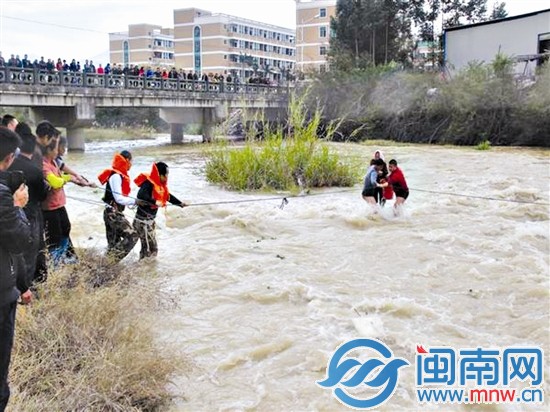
(263, 296)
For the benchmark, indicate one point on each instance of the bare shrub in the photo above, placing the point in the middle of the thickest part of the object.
(86, 344)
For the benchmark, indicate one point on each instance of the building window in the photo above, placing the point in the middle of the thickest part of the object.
(323, 12)
(544, 47)
(323, 68)
(323, 50)
(197, 49)
(322, 31)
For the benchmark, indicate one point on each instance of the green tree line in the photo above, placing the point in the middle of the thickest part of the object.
(374, 91)
(482, 102)
(373, 32)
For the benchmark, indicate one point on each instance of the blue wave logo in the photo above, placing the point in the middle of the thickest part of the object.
(343, 373)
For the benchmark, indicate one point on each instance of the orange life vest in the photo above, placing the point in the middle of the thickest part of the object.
(120, 165)
(160, 190)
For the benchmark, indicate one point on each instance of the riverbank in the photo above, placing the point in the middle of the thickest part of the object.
(85, 343)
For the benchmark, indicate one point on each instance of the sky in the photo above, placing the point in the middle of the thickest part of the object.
(79, 28)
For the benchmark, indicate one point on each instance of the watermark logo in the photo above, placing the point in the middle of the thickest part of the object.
(479, 375)
(380, 372)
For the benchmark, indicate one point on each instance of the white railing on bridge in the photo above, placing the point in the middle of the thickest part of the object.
(17, 76)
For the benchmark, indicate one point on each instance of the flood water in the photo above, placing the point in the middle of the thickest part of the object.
(263, 295)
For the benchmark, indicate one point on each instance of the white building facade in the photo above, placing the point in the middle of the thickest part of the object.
(526, 38)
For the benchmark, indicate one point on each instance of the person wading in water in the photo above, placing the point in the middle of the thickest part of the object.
(121, 236)
(397, 180)
(153, 194)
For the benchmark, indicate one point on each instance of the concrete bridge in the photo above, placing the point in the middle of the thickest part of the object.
(69, 99)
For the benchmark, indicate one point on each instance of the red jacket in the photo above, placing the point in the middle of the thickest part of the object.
(397, 180)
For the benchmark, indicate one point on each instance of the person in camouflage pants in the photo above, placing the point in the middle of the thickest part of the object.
(146, 232)
(153, 194)
(121, 236)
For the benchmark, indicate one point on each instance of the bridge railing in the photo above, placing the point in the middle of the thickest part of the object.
(11, 75)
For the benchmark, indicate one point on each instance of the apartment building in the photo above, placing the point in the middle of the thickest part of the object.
(207, 42)
(313, 33)
(143, 45)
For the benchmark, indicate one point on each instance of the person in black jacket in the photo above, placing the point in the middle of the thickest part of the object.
(153, 194)
(15, 237)
(38, 189)
(45, 133)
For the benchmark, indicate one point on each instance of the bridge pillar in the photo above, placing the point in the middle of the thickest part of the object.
(207, 132)
(76, 138)
(176, 133)
(74, 119)
(208, 124)
(206, 117)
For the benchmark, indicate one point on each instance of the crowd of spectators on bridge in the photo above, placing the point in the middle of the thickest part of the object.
(62, 65)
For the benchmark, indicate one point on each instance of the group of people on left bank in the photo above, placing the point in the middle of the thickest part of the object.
(34, 224)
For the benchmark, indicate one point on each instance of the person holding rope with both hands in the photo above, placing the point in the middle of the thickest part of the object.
(396, 179)
(153, 194)
(121, 236)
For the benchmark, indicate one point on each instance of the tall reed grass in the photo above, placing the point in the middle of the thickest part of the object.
(482, 101)
(86, 345)
(279, 162)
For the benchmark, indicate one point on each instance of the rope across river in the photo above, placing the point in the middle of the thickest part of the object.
(285, 198)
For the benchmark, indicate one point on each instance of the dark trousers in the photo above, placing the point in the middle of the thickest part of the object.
(378, 194)
(7, 326)
(41, 271)
(58, 226)
(58, 229)
(30, 254)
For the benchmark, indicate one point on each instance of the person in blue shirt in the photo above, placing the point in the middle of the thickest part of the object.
(370, 185)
